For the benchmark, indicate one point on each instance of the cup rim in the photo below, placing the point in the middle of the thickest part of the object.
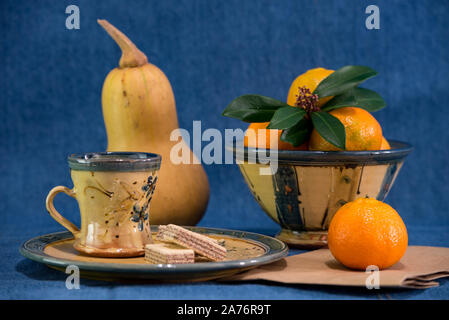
(114, 161)
(399, 150)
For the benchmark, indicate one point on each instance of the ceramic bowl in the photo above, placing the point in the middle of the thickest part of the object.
(308, 187)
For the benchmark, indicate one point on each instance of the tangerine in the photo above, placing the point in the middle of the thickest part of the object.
(310, 79)
(367, 232)
(385, 145)
(363, 132)
(261, 138)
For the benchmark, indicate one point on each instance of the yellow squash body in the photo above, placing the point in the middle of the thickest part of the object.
(140, 114)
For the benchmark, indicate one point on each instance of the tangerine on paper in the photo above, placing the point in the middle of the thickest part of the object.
(363, 132)
(262, 139)
(367, 232)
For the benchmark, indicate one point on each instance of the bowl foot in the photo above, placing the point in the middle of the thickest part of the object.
(303, 239)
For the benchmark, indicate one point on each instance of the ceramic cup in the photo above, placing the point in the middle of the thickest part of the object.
(113, 191)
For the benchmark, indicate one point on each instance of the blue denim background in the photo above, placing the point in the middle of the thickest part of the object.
(212, 51)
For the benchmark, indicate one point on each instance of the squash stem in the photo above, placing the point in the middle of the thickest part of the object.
(131, 55)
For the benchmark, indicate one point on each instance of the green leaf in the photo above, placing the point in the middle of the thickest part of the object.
(298, 134)
(253, 108)
(343, 79)
(286, 117)
(330, 128)
(358, 97)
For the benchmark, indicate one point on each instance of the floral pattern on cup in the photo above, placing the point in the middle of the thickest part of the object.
(140, 208)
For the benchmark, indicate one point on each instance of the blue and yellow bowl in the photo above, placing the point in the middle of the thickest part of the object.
(308, 187)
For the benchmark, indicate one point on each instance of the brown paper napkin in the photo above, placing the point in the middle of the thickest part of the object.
(418, 269)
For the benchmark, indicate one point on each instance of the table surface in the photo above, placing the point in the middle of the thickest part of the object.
(25, 279)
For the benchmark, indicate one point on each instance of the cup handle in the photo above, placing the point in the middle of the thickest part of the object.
(55, 214)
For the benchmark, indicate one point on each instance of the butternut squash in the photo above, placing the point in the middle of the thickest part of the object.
(140, 113)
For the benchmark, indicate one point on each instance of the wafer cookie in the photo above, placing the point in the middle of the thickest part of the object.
(201, 244)
(168, 254)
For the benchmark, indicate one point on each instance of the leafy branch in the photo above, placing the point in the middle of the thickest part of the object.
(297, 122)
